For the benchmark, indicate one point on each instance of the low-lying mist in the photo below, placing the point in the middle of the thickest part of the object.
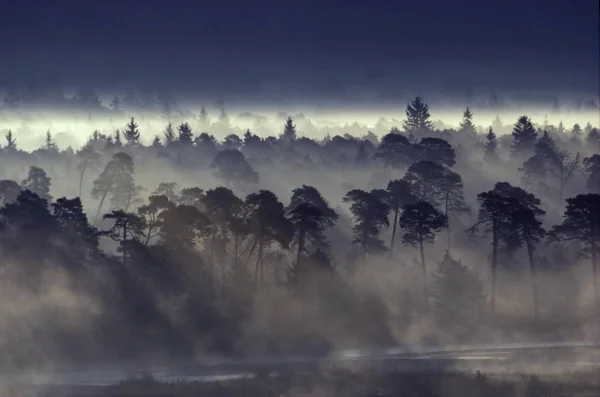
(234, 233)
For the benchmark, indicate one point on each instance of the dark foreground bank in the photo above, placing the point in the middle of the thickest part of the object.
(348, 383)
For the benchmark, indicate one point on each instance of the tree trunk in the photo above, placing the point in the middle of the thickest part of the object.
(258, 268)
(300, 246)
(124, 243)
(81, 180)
(394, 230)
(494, 262)
(100, 205)
(448, 226)
(595, 273)
(536, 310)
(424, 269)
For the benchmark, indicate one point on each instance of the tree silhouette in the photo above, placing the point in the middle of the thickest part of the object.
(225, 211)
(192, 196)
(467, 128)
(78, 234)
(152, 213)
(309, 224)
(38, 182)
(524, 138)
(169, 133)
(436, 150)
(89, 158)
(592, 167)
(458, 296)
(310, 195)
(185, 136)
(50, 145)
(370, 216)
(11, 142)
(395, 151)
(169, 190)
(417, 123)
(289, 131)
(117, 177)
(495, 219)
(182, 227)
(9, 191)
(491, 144)
(423, 178)
(126, 227)
(420, 222)
(117, 141)
(450, 187)
(131, 133)
(203, 115)
(397, 195)
(593, 139)
(581, 222)
(233, 169)
(268, 224)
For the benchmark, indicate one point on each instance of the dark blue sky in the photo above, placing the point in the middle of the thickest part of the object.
(243, 45)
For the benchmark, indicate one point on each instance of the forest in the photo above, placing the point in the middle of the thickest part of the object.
(251, 245)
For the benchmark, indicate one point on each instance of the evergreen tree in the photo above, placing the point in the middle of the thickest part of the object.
(203, 116)
(289, 131)
(458, 296)
(233, 169)
(592, 167)
(421, 221)
(11, 142)
(9, 191)
(436, 150)
(169, 134)
(417, 123)
(370, 216)
(524, 138)
(582, 223)
(491, 144)
(467, 128)
(576, 133)
(90, 158)
(50, 145)
(395, 151)
(185, 137)
(117, 142)
(494, 219)
(131, 133)
(398, 195)
(37, 182)
(156, 144)
(593, 139)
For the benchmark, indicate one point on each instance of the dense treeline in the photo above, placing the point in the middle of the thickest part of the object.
(126, 265)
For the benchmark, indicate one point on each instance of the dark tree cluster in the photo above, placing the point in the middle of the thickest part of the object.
(231, 266)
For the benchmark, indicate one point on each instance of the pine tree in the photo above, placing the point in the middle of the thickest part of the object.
(417, 123)
(524, 138)
(467, 127)
(491, 143)
(593, 139)
(131, 133)
(170, 138)
(11, 142)
(576, 133)
(185, 135)
(203, 116)
(38, 182)
(117, 141)
(50, 145)
(289, 131)
(156, 144)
